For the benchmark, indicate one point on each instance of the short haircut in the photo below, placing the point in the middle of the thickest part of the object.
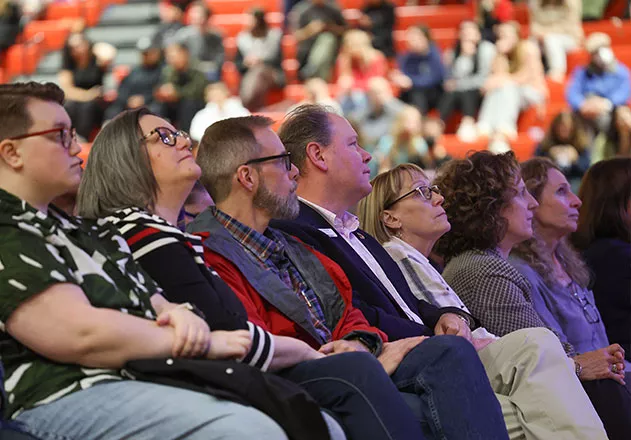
(224, 147)
(386, 188)
(476, 190)
(118, 173)
(15, 117)
(306, 123)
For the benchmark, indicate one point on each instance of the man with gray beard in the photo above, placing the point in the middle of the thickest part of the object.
(290, 289)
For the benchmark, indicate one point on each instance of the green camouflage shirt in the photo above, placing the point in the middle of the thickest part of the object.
(39, 250)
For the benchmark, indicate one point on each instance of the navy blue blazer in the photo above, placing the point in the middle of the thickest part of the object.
(369, 294)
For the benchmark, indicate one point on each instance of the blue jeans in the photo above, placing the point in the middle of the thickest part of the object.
(356, 388)
(454, 399)
(141, 410)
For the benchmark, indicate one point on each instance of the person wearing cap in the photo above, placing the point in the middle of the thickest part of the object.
(595, 91)
(136, 89)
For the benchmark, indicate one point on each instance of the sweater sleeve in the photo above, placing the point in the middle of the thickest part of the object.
(486, 55)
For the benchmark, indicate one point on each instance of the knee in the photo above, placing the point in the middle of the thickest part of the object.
(454, 348)
(538, 341)
(246, 423)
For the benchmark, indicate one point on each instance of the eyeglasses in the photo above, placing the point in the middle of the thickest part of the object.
(424, 190)
(286, 156)
(66, 135)
(169, 137)
(589, 310)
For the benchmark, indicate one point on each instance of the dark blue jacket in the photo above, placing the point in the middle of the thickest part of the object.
(425, 70)
(369, 294)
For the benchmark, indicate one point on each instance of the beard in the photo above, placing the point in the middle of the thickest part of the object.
(278, 207)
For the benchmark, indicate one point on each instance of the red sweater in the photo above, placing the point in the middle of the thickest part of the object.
(262, 313)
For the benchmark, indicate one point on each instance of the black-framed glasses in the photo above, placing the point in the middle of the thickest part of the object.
(424, 190)
(66, 135)
(286, 156)
(168, 136)
(589, 310)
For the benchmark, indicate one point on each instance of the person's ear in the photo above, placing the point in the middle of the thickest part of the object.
(247, 177)
(315, 155)
(10, 154)
(391, 220)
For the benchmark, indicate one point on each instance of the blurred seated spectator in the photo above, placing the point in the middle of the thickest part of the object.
(421, 72)
(516, 82)
(567, 144)
(317, 92)
(469, 66)
(557, 27)
(318, 29)
(171, 16)
(136, 89)
(436, 154)
(204, 43)
(33, 10)
(404, 143)
(492, 13)
(375, 119)
(197, 201)
(219, 105)
(595, 90)
(83, 68)
(378, 19)
(357, 63)
(181, 91)
(258, 60)
(10, 16)
(617, 140)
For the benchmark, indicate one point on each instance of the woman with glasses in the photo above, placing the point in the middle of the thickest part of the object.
(561, 293)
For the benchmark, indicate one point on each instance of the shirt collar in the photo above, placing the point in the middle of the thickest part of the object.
(345, 224)
(408, 249)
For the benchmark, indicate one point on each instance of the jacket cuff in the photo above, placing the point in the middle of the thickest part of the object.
(473, 322)
(371, 340)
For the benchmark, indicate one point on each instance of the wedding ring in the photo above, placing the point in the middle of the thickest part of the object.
(614, 368)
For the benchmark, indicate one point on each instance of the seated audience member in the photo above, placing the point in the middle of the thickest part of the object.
(78, 284)
(421, 72)
(181, 92)
(317, 92)
(318, 29)
(557, 27)
(594, 91)
(219, 105)
(258, 60)
(378, 19)
(327, 190)
(517, 81)
(436, 155)
(357, 63)
(604, 236)
(293, 290)
(491, 211)
(10, 16)
(84, 65)
(204, 43)
(492, 13)
(136, 89)
(470, 65)
(375, 119)
(567, 144)
(404, 212)
(404, 143)
(560, 293)
(171, 16)
(196, 202)
(617, 140)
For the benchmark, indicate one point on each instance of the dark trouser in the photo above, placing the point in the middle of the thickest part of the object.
(612, 402)
(180, 113)
(423, 98)
(85, 116)
(467, 101)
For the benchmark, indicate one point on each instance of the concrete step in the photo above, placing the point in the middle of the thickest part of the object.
(121, 36)
(131, 13)
(50, 64)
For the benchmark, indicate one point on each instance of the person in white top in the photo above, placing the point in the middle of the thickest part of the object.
(219, 105)
(404, 213)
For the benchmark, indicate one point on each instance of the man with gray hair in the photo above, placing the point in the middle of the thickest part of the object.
(292, 290)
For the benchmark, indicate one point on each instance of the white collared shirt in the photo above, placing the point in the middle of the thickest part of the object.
(424, 280)
(345, 225)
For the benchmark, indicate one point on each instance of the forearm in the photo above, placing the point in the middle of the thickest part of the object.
(290, 351)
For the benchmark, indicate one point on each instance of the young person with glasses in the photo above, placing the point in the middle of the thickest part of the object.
(562, 297)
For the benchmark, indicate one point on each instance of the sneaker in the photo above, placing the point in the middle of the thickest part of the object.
(467, 132)
(499, 146)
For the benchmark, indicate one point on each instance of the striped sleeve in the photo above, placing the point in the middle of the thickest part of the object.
(143, 240)
(262, 349)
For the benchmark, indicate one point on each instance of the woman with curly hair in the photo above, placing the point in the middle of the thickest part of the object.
(561, 296)
(604, 235)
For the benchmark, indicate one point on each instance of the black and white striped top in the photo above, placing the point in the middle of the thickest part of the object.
(175, 260)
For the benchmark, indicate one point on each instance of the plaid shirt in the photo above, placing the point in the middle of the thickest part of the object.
(268, 250)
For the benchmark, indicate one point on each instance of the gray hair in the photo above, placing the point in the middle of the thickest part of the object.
(118, 173)
(224, 147)
(306, 123)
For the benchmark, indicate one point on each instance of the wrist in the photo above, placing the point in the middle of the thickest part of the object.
(578, 368)
(191, 308)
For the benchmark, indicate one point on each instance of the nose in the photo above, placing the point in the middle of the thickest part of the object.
(294, 172)
(437, 199)
(576, 202)
(532, 202)
(366, 157)
(183, 142)
(75, 147)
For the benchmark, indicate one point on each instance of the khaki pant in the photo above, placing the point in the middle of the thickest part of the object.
(535, 383)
